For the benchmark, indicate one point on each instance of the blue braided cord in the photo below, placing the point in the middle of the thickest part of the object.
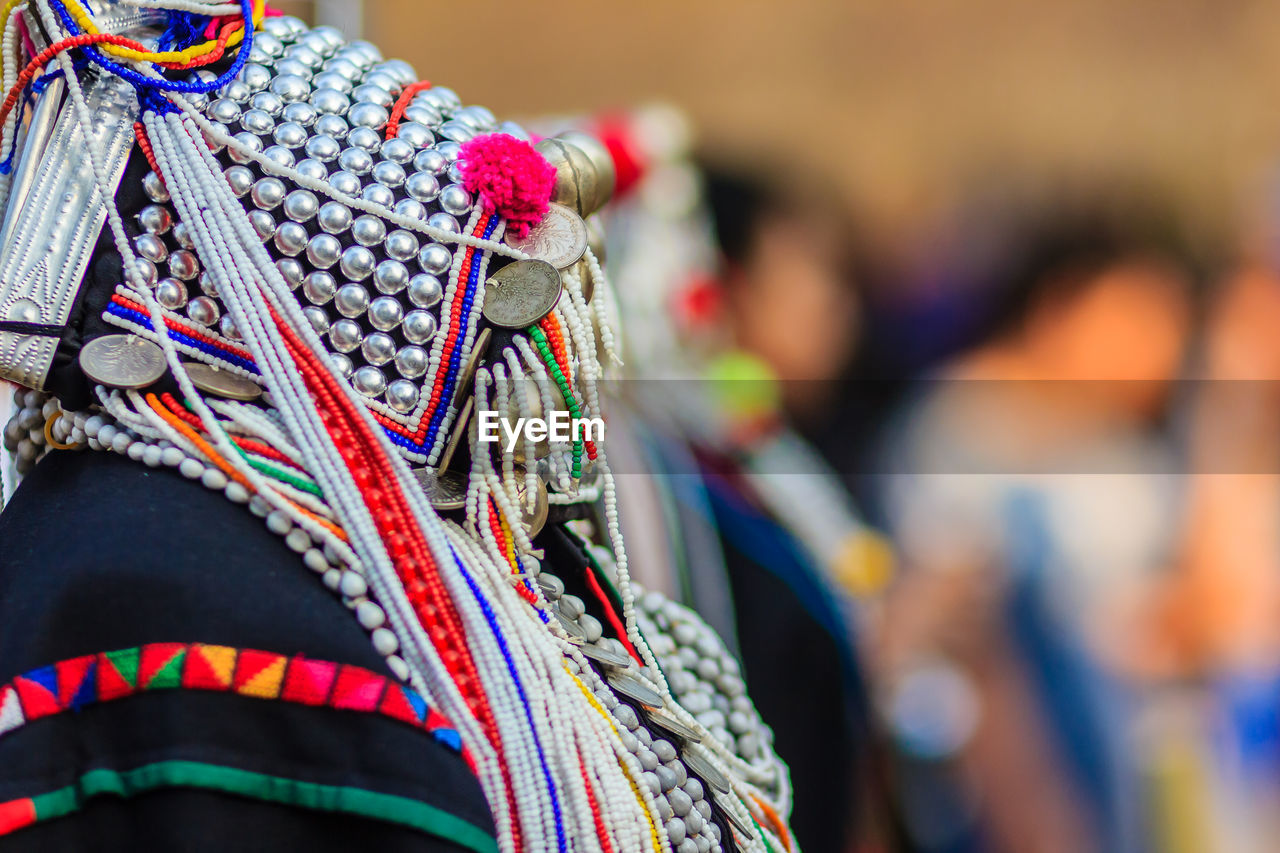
(182, 31)
(141, 82)
(38, 86)
(455, 358)
(144, 321)
(491, 618)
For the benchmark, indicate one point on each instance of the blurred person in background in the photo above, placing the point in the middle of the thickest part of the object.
(1033, 511)
(742, 312)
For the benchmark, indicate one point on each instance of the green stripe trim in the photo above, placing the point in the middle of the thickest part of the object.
(260, 786)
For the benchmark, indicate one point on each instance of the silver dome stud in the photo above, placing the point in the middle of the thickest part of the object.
(301, 205)
(368, 230)
(402, 245)
(171, 294)
(391, 276)
(369, 381)
(425, 291)
(411, 361)
(183, 265)
(358, 263)
(291, 238)
(378, 348)
(385, 313)
(203, 310)
(334, 217)
(323, 250)
(402, 395)
(319, 287)
(345, 335)
(435, 259)
(419, 327)
(351, 300)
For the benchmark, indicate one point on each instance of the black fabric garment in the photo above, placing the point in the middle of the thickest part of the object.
(99, 553)
(797, 673)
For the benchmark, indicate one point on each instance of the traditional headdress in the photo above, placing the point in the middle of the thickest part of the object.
(330, 268)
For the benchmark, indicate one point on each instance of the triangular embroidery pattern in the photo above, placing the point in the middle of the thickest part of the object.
(358, 689)
(77, 685)
(38, 691)
(209, 667)
(78, 682)
(160, 666)
(118, 673)
(309, 681)
(10, 709)
(260, 674)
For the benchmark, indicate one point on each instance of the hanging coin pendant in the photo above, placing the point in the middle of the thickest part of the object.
(459, 430)
(633, 688)
(674, 726)
(122, 361)
(467, 378)
(446, 491)
(560, 238)
(742, 828)
(699, 766)
(571, 627)
(222, 383)
(608, 657)
(521, 294)
(534, 517)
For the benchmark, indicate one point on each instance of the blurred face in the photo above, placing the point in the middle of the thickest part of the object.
(1128, 325)
(792, 305)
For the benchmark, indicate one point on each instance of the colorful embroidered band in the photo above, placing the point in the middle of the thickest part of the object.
(71, 685)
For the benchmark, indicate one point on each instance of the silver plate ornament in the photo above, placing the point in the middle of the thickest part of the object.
(633, 688)
(608, 657)
(122, 361)
(560, 238)
(222, 383)
(446, 491)
(701, 767)
(674, 726)
(520, 294)
(459, 430)
(466, 379)
(741, 827)
(571, 627)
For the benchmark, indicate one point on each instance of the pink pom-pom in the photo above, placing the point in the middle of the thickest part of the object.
(509, 177)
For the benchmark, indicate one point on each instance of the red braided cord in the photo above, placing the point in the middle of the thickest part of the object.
(50, 52)
(611, 616)
(402, 104)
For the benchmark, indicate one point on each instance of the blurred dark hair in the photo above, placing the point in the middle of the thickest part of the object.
(1056, 250)
(741, 199)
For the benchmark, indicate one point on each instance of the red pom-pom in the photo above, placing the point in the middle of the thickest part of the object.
(509, 177)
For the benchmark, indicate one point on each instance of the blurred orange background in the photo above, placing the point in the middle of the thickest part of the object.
(904, 104)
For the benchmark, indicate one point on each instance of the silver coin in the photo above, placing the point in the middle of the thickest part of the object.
(122, 361)
(466, 379)
(552, 587)
(699, 766)
(560, 238)
(742, 828)
(446, 491)
(534, 518)
(521, 294)
(222, 383)
(459, 430)
(571, 627)
(673, 726)
(608, 657)
(633, 688)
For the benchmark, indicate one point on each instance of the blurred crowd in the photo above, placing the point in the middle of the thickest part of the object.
(1050, 420)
